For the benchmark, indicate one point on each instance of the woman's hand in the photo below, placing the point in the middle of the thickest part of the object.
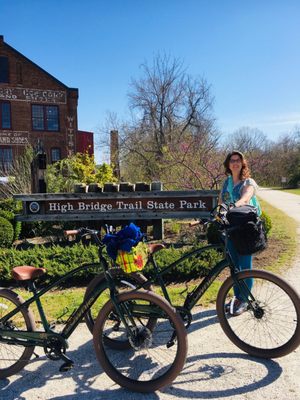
(247, 193)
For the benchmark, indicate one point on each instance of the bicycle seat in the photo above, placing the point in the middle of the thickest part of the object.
(27, 272)
(153, 248)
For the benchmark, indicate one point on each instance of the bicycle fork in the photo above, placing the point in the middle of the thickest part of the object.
(248, 297)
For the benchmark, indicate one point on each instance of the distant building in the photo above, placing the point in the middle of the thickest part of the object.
(85, 142)
(36, 109)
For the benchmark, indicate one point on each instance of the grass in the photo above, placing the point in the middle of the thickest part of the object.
(293, 191)
(277, 258)
(282, 245)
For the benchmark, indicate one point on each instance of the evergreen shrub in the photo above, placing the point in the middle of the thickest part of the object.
(6, 233)
(193, 267)
(266, 219)
(59, 260)
(8, 210)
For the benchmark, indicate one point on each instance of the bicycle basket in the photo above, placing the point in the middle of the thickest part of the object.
(134, 260)
(246, 230)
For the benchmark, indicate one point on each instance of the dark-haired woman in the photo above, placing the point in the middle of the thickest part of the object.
(238, 188)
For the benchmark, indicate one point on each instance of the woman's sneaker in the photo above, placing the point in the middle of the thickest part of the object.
(236, 307)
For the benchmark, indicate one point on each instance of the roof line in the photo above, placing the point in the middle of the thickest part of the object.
(37, 66)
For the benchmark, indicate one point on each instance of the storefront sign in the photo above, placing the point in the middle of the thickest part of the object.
(14, 138)
(33, 95)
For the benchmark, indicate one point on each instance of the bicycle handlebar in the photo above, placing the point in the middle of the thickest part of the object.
(85, 231)
(217, 214)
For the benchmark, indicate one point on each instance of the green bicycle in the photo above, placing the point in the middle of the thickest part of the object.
(269, 328)
(151, 335)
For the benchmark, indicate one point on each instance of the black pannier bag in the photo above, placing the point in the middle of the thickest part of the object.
(246, 230)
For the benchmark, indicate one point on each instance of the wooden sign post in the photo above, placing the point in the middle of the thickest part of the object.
(146, 207)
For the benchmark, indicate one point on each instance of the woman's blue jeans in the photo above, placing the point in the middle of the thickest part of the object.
(241, 262)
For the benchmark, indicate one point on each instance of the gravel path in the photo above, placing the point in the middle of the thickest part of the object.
(215, 368)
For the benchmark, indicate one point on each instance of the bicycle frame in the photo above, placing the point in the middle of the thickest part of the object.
(38, 338)
(194, 296)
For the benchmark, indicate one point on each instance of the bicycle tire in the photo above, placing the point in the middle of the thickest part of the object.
(23, 319)
(273, 329)
(122, 281)
(134, 368)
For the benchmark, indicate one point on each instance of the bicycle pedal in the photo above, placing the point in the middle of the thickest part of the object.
(66, 366)
(116, 327)
(171, 342)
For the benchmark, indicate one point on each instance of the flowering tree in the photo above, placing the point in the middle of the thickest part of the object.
(171, 128)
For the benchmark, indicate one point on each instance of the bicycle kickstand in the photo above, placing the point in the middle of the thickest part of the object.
(171, 342)
(67, 365)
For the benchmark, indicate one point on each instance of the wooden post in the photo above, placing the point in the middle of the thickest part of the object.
(158, 225)
(114, 153)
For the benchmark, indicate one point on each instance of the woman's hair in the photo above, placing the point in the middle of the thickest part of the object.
(245, 172)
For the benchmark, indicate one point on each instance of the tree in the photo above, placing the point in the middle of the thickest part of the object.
(257, 148)
(286, 158)
(19, 175)
(80, 168)
(170, 112)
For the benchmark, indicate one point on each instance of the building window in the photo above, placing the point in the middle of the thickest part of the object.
(6, 158)
(4, 75)
(45, 118)
(5, 115)
(55, 154)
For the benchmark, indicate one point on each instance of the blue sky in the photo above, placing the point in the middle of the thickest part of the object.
(248, 51)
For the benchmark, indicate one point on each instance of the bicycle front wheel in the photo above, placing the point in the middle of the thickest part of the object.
(269, 328)
(14, 357)
(155, 356)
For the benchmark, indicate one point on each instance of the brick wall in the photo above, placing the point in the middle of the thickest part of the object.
(29, 84)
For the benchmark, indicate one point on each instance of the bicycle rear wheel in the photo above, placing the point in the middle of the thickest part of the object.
(155, 357)
(270, 327)
(122, 281)
(13, 357)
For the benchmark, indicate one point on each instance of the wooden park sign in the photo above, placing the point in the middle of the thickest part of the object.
(117, 206)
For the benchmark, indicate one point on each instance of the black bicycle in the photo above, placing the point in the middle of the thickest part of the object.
(269, 328)
(151, 337)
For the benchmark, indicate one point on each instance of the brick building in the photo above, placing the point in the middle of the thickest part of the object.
(37, 109)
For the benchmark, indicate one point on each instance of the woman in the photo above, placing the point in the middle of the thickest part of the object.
(240, 189)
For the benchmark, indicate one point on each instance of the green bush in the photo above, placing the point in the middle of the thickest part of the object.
(45, 228)
(9, 215)
(11, 205)
(57, 260)
(267, 222)
(193, 267)
(6, 233)
(8, 210)
(213, 234)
